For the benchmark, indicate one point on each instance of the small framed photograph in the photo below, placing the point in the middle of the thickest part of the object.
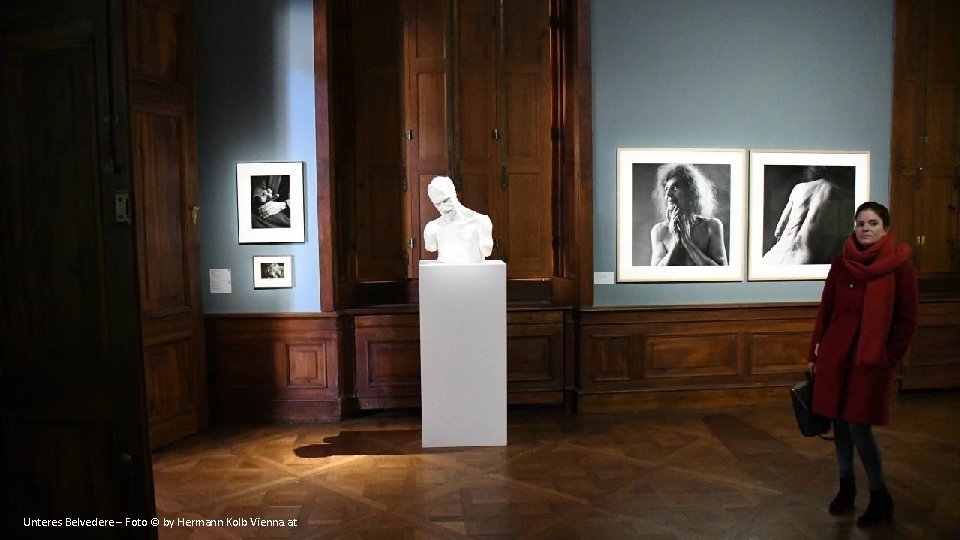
(270, 202)
(273, 272)
(680, 214)
(801, 210)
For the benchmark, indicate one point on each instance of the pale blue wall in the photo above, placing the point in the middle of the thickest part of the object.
(753, 74)
(255, 102)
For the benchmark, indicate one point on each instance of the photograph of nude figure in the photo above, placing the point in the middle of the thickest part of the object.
(686, 215)
(801, 210)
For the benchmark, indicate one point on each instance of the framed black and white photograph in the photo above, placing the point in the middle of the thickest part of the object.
(680, 214)
(273, 272)
(801, 210)
(270, 202)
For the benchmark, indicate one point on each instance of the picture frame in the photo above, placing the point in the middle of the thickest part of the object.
(647, 250)
(801, 210)
(273, 272)
(270, 205)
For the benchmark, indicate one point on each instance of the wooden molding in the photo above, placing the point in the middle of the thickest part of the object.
(274, 367)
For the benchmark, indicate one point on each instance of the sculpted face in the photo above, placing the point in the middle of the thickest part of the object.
(869, 228)
(443, 195)
(445, 203)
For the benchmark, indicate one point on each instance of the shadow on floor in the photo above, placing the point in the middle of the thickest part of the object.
(366, 443)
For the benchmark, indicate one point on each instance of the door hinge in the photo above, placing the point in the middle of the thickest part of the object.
(409, 134)
(411, 243)
(496, 134)
(122, 207)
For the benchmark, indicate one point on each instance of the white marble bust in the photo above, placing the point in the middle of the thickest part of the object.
(459, 235)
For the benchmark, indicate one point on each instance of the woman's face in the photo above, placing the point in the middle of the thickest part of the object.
(869, 228)
(678, 194)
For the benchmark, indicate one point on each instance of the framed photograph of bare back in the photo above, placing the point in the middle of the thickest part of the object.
(270, 202)
(680, 214)
(801, 210)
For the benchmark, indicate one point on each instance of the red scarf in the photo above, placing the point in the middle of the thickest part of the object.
(874, 265)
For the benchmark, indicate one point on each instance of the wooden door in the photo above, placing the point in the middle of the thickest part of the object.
(376, 42)
(925, 149)
(526, 149)
(160, 73)
(427, 83)
(73, 420)
(476, 128)
(940, 143)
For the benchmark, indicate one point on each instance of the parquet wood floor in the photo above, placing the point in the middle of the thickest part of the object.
(737, 473)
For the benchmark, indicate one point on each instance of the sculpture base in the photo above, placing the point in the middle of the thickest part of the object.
(463, 353)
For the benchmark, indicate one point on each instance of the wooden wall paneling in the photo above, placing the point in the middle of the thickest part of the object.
(535, 357)
(688, 355)
(274, 367)
(387, 360)
(933, 361)
(711, 353)
(782, 351)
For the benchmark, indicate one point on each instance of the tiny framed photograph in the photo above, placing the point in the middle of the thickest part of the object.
(273, 272)
(270, 202)
(801, 210)
(680, 214)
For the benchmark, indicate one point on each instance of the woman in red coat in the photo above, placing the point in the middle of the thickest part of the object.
(867, 316)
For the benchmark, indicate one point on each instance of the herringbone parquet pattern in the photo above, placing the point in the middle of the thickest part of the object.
(739, 473)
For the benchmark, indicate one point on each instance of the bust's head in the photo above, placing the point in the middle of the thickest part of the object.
(443, 195)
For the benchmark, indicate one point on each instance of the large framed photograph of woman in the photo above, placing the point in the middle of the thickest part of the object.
(801, 210)
(680, 214)
(270, 202)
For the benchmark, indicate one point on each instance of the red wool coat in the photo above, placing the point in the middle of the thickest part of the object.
(843, 389)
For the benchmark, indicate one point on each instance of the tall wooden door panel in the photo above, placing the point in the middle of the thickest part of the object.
(527, 152)
(377, 41)
(73, 419)
(925, 148)
(426, 53)
(477, 129)
(941, 151)
(160, 71)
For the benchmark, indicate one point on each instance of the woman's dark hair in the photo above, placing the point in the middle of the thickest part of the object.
(880, 209)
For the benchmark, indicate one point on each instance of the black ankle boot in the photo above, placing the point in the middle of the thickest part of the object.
(844, 499)
(880, 508)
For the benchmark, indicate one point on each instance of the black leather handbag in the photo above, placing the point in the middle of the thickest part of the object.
(810, 423)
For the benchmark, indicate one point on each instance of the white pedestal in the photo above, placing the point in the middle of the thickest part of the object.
(463, 353)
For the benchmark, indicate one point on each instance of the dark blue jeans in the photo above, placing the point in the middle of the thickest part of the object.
(846, 436)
